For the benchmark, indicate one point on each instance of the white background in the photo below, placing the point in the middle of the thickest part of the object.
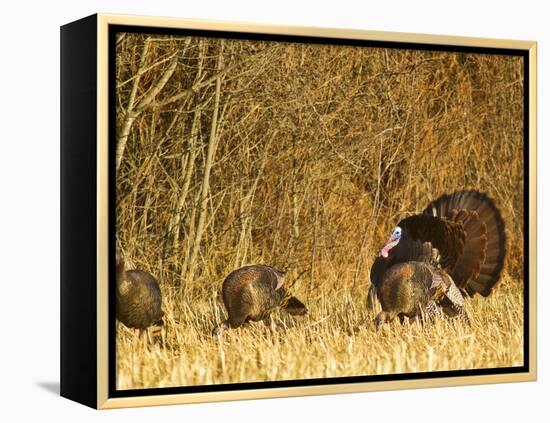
(29, 208)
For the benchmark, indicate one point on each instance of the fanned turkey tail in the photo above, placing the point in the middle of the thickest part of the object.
(480, 264)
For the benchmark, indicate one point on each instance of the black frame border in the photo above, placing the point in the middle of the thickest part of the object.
(114, 29)
(78, 211)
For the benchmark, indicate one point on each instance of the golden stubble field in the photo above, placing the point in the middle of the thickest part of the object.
(337, 338)
(303, 157)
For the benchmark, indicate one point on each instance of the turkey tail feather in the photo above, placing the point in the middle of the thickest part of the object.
(478, 268)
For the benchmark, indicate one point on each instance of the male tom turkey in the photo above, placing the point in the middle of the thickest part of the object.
(138, 297)
(251, 293)
(455, 248)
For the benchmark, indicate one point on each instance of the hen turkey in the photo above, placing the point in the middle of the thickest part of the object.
(252, 293)
(138, 297)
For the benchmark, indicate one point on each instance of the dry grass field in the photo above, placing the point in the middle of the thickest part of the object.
(304, 156)
(336, 339)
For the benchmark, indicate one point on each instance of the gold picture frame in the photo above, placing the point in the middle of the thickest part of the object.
(86, 185)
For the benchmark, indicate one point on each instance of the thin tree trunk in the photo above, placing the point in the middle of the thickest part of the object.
(205, 191)
(191, 230)
(188, 165)
(133, 110)
(245, 204)
(130, 115)
(315, 244)
(188, 161)
(369, 226)
(242, 235)
(295, 227)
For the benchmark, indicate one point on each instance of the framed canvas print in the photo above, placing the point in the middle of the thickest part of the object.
(254, 211)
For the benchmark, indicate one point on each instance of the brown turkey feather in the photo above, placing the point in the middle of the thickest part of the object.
(445, 235)
(478, 266)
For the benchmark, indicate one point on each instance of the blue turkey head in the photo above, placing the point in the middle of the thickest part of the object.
(392, 241)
